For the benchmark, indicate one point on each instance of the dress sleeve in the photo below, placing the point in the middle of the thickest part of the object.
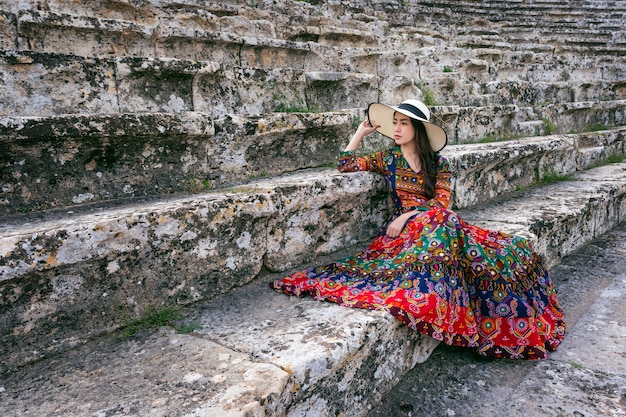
(349, 162)
(443, 184)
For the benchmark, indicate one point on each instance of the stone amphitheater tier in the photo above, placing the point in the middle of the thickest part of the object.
(178, 153)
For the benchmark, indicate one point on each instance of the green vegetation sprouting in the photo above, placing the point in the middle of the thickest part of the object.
(153, 318)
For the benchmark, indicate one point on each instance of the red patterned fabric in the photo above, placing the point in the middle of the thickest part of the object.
(445, 278)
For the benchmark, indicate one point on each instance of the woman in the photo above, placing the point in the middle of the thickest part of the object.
(445, 278)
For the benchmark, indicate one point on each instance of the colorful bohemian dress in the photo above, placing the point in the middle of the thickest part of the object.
(458, 283)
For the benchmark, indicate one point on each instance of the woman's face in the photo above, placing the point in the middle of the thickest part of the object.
(403, 130)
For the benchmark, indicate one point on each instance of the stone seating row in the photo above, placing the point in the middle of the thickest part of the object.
(545, 10)
(46, 31)
(256, 352)
(51, 83)
(332, 86)
(68, 276)
(202, 13)
(358, 66)
(65, 162)
(585, 46)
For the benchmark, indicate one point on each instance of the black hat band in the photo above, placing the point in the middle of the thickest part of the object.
(413, 109)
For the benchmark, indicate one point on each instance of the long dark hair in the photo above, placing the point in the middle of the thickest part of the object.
(428, 158)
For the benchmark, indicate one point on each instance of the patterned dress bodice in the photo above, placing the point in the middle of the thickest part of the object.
(408, 183)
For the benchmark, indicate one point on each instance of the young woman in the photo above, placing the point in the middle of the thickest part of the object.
(445, 278)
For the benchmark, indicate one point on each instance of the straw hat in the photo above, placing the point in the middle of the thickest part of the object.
(382, 115)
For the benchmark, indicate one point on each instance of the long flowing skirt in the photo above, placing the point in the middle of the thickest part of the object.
(453, 281)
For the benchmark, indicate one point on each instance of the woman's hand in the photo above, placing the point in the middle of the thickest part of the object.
(364, 129)
(395, 227)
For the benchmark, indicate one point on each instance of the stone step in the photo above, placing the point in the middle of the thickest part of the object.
(509, 121)
(64, 162)
(531, 88)
(71, 160)
(47, 32)
(67, 161)
(262, 353)
(227, 42)
(520, 11)
(108, 38)
(588, 46)
(555, 31)
(52, 84)
(486, 172)
(174, 26)
(93, 266)
(69, 269)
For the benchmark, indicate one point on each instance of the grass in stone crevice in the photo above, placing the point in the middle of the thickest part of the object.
(598, 127)
(552, 177)
(196, 185)
(428, 95)
(503, 138)
(284, 105)
(548, 178)
(612, 158)
(615, 158)
(154, 318)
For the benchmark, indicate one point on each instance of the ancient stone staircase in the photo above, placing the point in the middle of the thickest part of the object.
(144, 167)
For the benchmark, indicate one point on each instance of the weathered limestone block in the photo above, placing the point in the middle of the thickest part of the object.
(483, 42)
(580, 116)
(396, 63)
(158, 85)
(81, 274)
(237, 90)
(82, 35)
(36, 84)
(560, 217)
(272, 53)
(279, 143)
(331, 353)
(164, 374)
(487, 171)
(80, 85)
(528, 64)
(8, 31)
(332, 90)
(344, 37)
(93, 36)
(475, 123)
(244, 26)
(295, 235)
(140, 12)
(531, 128)
(74, 160)
(538, 93)
(353, 60)
(258, 353)
(394, 89)
(596, 147)
(198, 45)
(84, 275)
